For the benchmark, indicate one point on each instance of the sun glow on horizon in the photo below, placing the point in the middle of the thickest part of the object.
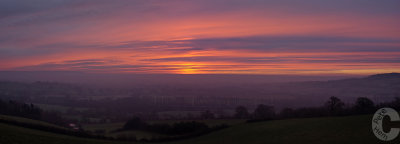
(188, 68)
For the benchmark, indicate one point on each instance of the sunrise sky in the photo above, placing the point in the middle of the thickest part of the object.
(320, 37)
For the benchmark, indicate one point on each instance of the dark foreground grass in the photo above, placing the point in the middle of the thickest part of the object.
(336, 130)
(333, 130)
(18, 135)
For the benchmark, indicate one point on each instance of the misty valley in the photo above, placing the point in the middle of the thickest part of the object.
(157, 112)
(188, 101)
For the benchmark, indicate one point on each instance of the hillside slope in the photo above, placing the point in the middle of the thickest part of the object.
(354, 129)
(336, 130)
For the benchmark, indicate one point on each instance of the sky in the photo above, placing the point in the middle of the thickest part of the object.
(313, 37)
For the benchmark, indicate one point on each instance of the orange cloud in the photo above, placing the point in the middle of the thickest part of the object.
(191, 38)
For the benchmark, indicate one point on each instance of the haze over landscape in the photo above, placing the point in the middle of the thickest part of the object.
(197, 71)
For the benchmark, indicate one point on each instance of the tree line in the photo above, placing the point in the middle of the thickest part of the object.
(332, 107)
(19, 109)
(178, 130)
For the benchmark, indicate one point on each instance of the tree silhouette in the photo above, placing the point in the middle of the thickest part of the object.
(207, 115)
(135, 124)
(287, 113)
(334, 105)
(241, 112)
(264, 112)
(15, 108)
(364, 106)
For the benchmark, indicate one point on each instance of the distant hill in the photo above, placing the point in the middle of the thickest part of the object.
(380, 88)
(385, 76)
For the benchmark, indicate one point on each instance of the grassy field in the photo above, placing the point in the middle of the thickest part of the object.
(25, 120)
(59, 108)
(354, 129)
(210, 123)
(337, 130)
(110, 127)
